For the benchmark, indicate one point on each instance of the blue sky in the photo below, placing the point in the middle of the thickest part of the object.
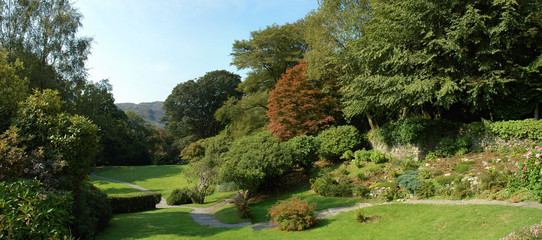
(146, 47)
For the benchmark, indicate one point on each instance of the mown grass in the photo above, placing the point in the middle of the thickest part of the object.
(395, 221)
(157, 178)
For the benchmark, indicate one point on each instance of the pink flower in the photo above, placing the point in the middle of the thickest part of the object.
(537, 163)
(537, 155)
(538, 148)
(529, 153)
(521, 176)
(524, 168)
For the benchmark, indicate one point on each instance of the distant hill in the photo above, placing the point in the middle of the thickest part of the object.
(152, 112)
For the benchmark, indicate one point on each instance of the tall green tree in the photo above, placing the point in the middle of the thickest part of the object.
(425, 57)
(191, 106)
(13, 89)
(268, 54)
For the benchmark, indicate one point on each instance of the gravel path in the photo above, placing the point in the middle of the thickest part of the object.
(206, 217)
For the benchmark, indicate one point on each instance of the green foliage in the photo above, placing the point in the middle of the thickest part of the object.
(446, 147)
(334, 141)
(303, 150)
(360, 217)
(531, 171)
(65, 144)
(242, 206)
(135, 202)
(528, 128)
(179, 196)
(463, 167)
(255, 161)
(414, 130)
(269, 53)
(30, 211)
(327, 185)
(191, 106)
(426, 190)
(293, 214)
(13, 89)
(462, 189)
(450, 179)
(425, 58)
(91, 211)
(409, 181)
(492, 180)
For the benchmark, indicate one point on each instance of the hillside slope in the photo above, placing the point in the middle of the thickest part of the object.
(152, 112)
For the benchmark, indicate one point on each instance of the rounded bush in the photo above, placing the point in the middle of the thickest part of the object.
(293, 214)
(334, 141)
(179, 196)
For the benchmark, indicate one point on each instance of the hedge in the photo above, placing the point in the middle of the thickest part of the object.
(136, 202)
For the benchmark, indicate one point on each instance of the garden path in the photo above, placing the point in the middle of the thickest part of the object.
(206, 217)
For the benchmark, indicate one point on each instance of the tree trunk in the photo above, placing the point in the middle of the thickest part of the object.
(370, 119)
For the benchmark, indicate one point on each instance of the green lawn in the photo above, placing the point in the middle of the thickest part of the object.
(259, 209)
(397, 221)
(157, 178)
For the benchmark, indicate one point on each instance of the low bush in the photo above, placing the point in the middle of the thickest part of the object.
(360, 191)
(326, 185)
(528, 128)
(293, 214)
(179, 196)
(126, 203)
(531, 171)
(334, 141)
(414, 131)
(427, 190)
(492, 180)
(360, 217)
(409, 181)
(450, 179)
(303, 150)
(29, 211)
(242, 206)
(91, 211)
(526, 233)
(462, 189)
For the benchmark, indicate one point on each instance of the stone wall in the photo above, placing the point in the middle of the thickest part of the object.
(486, 142)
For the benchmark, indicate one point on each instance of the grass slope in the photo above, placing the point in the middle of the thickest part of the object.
(157, 178)
(396, 221)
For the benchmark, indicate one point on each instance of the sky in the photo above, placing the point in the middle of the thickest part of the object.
(147, 47)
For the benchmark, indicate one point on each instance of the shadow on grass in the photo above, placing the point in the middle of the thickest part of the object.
(171, 222)
(141, 173)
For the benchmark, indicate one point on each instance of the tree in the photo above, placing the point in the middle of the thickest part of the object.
(191, 106)
(296, 107)
(54, 147)
(254, 162)
(44, 34)
(425, 58)
(269, 53)
(13, 89)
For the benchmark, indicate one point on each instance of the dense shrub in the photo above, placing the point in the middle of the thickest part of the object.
(413, 130)
(179, 196)
(492, 180)
(326, 185)
(334, 141)
(303, 150)
(426, 190)
(531, 174)
(242, 206)
(409, 181)
(528, 128)
(447, 147)
(293, 214)
(445, 180)
(28, 211)
(126, 203)
(91, 211)
(255, 162)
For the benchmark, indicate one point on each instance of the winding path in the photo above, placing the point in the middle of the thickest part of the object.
(206, 217)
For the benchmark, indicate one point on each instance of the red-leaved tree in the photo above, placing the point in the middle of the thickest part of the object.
(297, 107)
